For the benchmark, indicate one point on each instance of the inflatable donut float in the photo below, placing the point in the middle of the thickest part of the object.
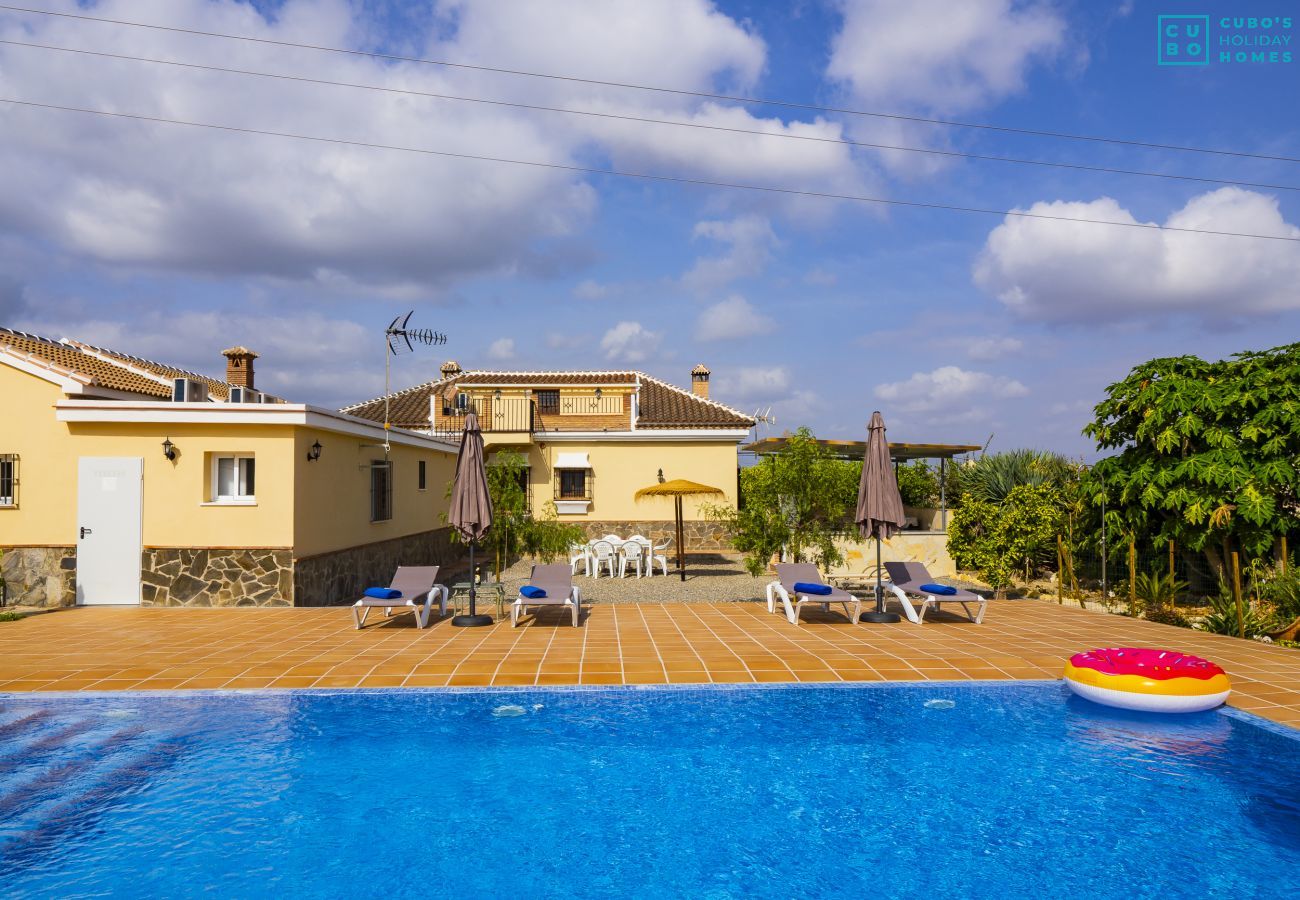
(1147, 680)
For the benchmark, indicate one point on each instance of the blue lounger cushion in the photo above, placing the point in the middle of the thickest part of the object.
(804, 587)
(942, 590)
(532, 593)
(383, 593)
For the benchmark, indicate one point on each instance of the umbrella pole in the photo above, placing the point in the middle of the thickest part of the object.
(681, 536)
(473, 619)
(878, 615)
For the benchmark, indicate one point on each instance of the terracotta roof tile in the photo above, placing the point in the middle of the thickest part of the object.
(105, 373)
(665, 406)
(218, 389)
(109, 368)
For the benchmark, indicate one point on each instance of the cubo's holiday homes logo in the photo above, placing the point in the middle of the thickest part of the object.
(1198, 40)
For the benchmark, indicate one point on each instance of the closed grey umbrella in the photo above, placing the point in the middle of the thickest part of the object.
(880, 505)
(471, 505)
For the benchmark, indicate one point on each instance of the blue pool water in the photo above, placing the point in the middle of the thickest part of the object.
(1000, 791)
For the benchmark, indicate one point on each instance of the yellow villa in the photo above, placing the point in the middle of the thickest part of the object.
(126, 481)
(591, 439)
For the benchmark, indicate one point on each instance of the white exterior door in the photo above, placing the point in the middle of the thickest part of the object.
(109, 529)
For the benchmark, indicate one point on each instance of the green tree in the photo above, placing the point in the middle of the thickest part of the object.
(1001, 540)
(514, 528)
(917, 482)
(1203, 452)
(794, 501)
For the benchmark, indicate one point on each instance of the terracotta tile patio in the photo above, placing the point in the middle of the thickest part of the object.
(148, 649)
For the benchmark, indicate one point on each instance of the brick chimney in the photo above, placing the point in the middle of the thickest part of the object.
(700, 381)
(450, 369)
(239, 366)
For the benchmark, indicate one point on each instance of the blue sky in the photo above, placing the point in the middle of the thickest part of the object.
(174, 243)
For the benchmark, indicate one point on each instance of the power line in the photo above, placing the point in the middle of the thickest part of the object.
(673, 179)
(644, 119)
(731, 98)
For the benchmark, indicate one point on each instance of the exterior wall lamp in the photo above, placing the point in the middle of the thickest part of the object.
(313, 453)
(169, 449)
(661, 476)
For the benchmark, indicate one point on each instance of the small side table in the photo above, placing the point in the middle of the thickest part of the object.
(461, 589)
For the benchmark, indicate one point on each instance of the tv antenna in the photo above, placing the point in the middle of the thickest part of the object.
(399, 337)
(762, 417)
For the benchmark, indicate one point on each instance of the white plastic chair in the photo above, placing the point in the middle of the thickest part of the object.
(659, 554)
(631, 552)
(580, 553)
(603, 554)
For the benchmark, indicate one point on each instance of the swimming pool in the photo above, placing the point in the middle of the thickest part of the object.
(996, 789)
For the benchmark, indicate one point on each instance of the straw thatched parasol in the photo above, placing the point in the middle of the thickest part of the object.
(677, 489)
(880, 506)
(471, 505)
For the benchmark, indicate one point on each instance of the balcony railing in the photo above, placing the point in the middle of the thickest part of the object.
(506, 414)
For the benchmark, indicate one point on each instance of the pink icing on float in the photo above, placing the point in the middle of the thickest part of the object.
(1145, 679)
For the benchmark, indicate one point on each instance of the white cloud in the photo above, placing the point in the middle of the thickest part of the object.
(935, 57)
(629, 342)
(948, 388)
(591, 290)
(732, 318)
(989, 348)
(158, 197)
(750, 241)
(763, 384)
(1063, 271)
(938, 55)
(501, 349)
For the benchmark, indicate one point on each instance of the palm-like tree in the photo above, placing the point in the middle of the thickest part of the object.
(994, 475)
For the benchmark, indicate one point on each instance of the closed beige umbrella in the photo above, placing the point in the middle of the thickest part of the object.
(677, 489)
(471, 506)
(880, 505)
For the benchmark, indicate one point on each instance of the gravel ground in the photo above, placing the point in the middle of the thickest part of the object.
(714, 578)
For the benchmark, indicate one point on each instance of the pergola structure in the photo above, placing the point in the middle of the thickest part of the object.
(897, 452)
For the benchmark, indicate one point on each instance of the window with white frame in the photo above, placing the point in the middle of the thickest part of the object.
(8, 479)
(234, 478)
(381, 490)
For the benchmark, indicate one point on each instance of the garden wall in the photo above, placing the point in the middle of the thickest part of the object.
(700, 535)
(337, 578)
(199, 576)
(930, 548)
(39, 576)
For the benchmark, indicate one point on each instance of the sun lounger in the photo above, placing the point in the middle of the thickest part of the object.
(906, 580)
(790, 574)
(416, 584)
(557, 581)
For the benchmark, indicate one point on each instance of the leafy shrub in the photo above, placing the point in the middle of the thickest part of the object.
(793, 501)
(1222, 618)
(1167, 615)
(1156, 590)
(10, 616)
(917, 483)
(1282, 590)
(1000, 539)
(994, 476)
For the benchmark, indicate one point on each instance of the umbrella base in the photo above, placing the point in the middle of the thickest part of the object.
(878, 618)
(471, 621)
